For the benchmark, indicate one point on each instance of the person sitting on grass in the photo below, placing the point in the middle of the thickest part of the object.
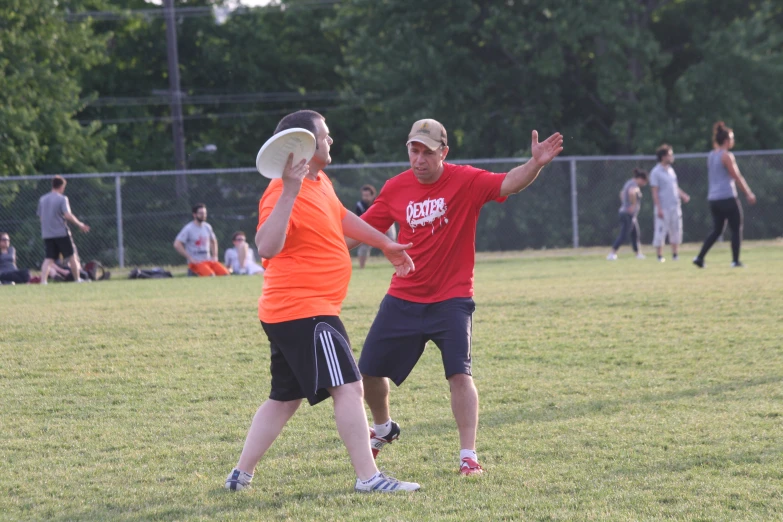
(9, 273)
(197, 243)
(240, 259)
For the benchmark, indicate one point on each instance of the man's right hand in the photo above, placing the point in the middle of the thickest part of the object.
(294, 174)
(660, 212)
(84, 228)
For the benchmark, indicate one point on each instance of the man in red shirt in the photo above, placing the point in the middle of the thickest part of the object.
(437, 205)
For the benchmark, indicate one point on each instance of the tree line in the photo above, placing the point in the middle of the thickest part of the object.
(82, 92)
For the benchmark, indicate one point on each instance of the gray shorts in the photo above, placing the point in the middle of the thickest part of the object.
(670, 225)
(402, 328)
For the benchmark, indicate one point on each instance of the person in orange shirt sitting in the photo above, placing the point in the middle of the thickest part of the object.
(197, 243)
(301, 237)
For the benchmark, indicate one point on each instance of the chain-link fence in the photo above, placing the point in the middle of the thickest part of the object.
(135, 216)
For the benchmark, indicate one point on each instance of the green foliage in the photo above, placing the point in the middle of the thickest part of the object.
(612, 76)
(42, 58)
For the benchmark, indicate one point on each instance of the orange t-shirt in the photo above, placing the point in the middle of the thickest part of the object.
(310, 275)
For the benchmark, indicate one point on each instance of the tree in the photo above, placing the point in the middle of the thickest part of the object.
(42, 58)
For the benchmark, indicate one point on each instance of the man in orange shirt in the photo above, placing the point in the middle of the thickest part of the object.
(301, 237)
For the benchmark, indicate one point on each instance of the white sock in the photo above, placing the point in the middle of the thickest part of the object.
(471, 454)
(245, 475)
(381, 430)
(371, 479)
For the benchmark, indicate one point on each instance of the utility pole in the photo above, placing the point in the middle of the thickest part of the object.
(175, 94)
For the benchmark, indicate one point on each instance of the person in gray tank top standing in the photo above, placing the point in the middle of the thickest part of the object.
(724, 176)
(630, 201)
(54, 210)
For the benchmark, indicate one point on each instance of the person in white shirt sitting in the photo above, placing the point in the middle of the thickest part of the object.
(240, 258)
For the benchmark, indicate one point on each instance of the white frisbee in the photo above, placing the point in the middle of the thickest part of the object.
(272, 157)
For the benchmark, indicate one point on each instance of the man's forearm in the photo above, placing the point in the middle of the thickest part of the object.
(519, 178)
(180, 248)
(270, 238)
(355, 228)
(70, 217)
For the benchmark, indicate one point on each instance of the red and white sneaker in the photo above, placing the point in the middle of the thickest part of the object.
(470, 467)
(377, 443)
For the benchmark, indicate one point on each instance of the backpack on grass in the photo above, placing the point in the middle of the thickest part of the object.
(96, 271)
(149, 273)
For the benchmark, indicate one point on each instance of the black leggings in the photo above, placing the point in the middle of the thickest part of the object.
(724, 210)
(15, 276)
(628, 224)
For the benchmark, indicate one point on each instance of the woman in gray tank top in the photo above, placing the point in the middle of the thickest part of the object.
(631, 200)
(724, 176)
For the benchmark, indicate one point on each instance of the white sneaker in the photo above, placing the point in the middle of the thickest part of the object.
(238, 480)
(661, 259)
(640, 256)
(383, 483)
(611, 257)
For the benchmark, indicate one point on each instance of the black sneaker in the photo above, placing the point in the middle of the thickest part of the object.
(698, 262)
(377, 443)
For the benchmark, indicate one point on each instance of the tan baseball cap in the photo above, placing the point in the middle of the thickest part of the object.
(429, 132)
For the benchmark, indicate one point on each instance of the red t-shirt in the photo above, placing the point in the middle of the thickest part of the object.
(440, 220)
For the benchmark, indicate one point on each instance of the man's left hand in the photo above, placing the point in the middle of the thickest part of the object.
(547, 150)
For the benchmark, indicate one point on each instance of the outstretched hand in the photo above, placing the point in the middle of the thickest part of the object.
(548, 149)
(397, 256)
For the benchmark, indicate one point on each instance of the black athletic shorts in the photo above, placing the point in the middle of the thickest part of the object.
(402, 328)
(308, 356)
(59, 245)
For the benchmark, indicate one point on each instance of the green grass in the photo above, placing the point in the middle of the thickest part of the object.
(630, 390)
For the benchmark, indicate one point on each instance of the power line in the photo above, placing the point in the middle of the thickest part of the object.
(124, 14)
(210, 99)
(215, 116)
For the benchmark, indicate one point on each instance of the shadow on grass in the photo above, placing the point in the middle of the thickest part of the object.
(558, 411)
(223, 505)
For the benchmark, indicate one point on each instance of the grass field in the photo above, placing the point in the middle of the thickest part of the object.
(630, 390)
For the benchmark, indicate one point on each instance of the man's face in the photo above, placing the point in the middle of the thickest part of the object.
(641, 182)
(669, 158)
(200, 215)
(731, 140)
(367, 196)
(5, 241)
(427, 164)
(323, 144)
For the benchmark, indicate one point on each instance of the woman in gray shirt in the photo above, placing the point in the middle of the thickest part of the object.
(724, 176)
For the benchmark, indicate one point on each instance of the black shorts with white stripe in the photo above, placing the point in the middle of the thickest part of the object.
(308, 357)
